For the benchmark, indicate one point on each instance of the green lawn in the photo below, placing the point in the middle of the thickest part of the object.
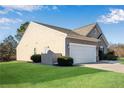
(121, 60)
(21, 74)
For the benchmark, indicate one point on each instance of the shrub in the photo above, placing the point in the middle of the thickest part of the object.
(65, 61)
(36, 58)
(110, 56)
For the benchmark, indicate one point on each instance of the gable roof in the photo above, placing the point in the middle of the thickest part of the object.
(84, 30)
(102, 35)
(70, 33)
(64, 30)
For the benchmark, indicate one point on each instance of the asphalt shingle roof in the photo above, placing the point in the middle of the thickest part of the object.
(85, 29)
(70, 33)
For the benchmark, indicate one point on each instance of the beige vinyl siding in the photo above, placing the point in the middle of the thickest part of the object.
(102, 43)
(40, 37)
(94, 33)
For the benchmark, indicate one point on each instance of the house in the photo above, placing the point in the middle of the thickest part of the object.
(82, 44)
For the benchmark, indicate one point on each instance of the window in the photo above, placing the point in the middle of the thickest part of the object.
(102, 48)
(95, 31)
(34, 51)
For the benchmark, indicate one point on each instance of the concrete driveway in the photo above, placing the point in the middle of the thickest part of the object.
(116, 67)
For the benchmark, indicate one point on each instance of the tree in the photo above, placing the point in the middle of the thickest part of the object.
(118, 49)
(10, 39)
(21, 30)
(8, 48)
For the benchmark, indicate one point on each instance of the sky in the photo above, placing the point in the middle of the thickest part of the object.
(110, 18)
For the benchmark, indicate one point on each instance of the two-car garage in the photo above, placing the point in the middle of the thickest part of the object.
(82, 53)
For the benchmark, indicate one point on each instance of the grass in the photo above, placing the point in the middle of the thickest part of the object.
(21, 74)
(121, 60)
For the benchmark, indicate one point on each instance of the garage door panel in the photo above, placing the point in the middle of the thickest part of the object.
(82, 53)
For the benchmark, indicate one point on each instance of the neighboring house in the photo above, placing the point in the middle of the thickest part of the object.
(82, 44)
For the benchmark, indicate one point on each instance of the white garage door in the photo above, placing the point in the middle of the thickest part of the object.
(82, 53)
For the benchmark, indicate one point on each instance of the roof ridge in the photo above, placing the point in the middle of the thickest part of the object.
(51, 25)
(85, 26)
(69, 32)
